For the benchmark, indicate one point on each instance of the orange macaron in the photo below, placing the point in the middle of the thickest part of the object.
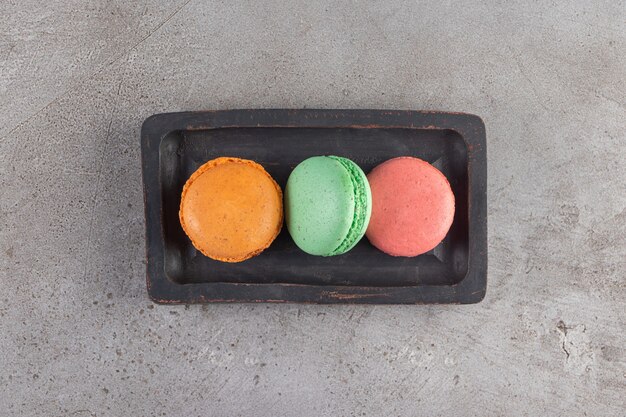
(231, 209)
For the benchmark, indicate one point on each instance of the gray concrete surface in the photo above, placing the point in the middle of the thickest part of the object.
(78, 336)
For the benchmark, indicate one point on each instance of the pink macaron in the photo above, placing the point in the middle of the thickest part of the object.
(412, 206)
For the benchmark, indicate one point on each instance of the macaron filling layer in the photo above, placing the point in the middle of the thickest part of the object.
(362, 205)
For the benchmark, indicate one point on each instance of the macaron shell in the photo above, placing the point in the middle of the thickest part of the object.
(412, 207)
(319, 205)
(231, 209)
(363, 205)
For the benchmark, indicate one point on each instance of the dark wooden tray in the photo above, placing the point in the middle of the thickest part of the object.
(174, 145)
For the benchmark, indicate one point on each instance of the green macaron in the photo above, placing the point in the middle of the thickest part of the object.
(328, 204)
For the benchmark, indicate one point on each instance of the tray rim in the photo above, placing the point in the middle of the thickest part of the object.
(471, 289)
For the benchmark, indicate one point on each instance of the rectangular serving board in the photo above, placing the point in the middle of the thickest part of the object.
(174, 145)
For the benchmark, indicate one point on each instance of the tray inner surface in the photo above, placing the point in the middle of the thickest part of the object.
(279, 150)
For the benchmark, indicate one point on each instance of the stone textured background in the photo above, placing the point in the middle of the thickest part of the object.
(78, 336)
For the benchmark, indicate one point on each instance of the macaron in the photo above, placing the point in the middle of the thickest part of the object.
(412, 207)
(231, 209)
(327, 205)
